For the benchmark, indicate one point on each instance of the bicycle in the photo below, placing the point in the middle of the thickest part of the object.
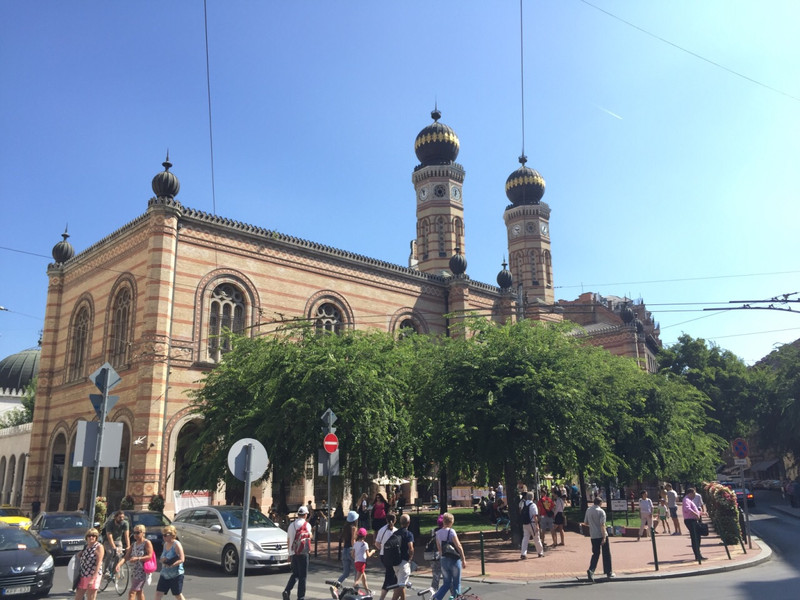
(121, 579)
(464, 595)
(503, 527)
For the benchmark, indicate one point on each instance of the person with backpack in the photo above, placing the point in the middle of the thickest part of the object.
(383, 535)
(299, 539)
(528, 513)
(399, 551)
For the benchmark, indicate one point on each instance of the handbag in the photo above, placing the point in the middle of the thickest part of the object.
(448, 549)
(150, 565)
(702, 528)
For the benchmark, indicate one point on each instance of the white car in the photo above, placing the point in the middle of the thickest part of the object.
(214, 533)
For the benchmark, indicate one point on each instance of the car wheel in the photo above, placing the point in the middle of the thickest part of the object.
(230, 560)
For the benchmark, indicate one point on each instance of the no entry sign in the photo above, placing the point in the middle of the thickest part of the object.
(330, 443)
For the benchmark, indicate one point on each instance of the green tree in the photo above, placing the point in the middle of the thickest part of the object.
(22, 414)
(778, 413)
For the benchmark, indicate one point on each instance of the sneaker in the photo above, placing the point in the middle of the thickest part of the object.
(590, 575)
(285, 594)
(611, 575)
(541, 554)
(334, 592)
(522, 557)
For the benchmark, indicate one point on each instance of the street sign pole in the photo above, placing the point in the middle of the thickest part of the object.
(329, 418)
(248, 449)
(98, 452)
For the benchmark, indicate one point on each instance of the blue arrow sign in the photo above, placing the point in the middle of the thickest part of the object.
(97, 402)
(105, 378)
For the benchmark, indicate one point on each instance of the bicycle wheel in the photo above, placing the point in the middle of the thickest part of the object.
(108, 574)
(122, 579)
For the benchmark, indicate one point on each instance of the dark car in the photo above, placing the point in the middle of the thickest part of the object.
(153, 523)
(26, 568)
(741, 494)
(61, 533)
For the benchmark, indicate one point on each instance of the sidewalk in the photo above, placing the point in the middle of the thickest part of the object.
(631, 559)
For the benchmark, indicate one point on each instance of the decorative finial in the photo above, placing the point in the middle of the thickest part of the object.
(435, 113)
(504, 263)
(523, 159)
(166, 164)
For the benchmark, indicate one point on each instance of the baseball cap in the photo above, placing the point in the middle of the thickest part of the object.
(303, 510)
(362, 532)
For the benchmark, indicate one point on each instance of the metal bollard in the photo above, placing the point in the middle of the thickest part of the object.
(483, 558)
(655, 550)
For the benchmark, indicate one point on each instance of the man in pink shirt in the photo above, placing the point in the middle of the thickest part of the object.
(691, 517)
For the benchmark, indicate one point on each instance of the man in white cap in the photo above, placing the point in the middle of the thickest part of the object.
(299, 538)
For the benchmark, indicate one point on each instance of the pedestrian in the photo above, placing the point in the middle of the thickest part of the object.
(559, 520)
(299, 541)
(435, 558)
(545, 506)
(89, 566)
(662, 516)
(172, 559)
(139, 552)
(384, 533)
(362, 506)
(403, 570)
(672, 505)
(379, 508)
(698, 501)
(452, 557)
(348, 538)
(691, 518)
(645, 514)
(361, 552)
(530, 527)
(595, 519)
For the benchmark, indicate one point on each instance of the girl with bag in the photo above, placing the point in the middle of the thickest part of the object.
(172, 559)
(139, 554)
(452, 558)
(89, 567)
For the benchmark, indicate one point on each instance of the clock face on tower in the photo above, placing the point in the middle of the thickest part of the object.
(456, 192)
(544, 228)
(439, 191)
(422, 194)
(516, 229)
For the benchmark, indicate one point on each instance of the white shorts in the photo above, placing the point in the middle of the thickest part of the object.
(403, 572)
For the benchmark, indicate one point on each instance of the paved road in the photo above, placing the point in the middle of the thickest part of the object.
(778, 579)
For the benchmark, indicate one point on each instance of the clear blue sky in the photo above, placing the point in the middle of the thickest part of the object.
(670, 178)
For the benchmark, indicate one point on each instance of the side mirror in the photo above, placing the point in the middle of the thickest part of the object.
(216, 527)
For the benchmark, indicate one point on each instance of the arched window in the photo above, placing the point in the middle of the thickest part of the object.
(79, 347)
(533, 266)
(440, 235)
(119, 355)
(459, 229)
(328, 318)
(548, 269)
(426, 231)
(226, 316)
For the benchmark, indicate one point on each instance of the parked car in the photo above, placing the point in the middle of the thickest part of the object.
(61, 533)
(153, 522)
(14, 516)
(26, 568)
(741, 494)
(213, 534)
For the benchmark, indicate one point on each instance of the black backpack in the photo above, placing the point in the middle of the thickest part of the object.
(391, 556)
(525, 515)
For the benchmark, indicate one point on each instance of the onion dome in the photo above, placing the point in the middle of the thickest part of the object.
(504, 277)
(437, 144)
(165, 184)
(525, 185)
(639, 326)
(18, 370)
(458, 264)
(63, 250)
(627, 315)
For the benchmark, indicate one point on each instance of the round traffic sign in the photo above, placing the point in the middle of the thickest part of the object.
(330, 443)
(237, 458)
(739, 447)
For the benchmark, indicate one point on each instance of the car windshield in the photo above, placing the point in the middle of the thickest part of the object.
(10, 512)
(150, 520)
(233, 519)
(65, 522)
(17, 539)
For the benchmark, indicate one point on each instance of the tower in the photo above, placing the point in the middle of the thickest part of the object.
(527, 221)
(437, 183)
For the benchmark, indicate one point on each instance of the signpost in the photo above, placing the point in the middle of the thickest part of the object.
(740, 450)
(331, 444)
(247, 460)
(105, 378)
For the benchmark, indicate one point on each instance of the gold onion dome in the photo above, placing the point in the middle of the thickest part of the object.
(437, 144)
(525, 185)
(166, 184)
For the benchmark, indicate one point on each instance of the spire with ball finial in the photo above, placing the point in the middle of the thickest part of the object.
(63, 250)
(166, 184)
